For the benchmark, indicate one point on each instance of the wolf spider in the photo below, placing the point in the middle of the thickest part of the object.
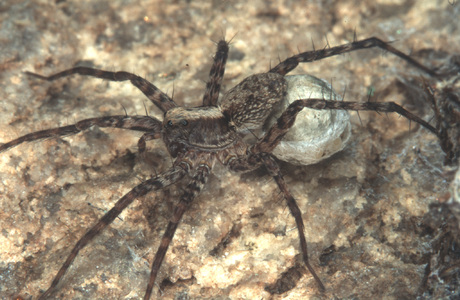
(199, 137)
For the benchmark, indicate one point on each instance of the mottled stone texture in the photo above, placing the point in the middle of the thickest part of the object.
(371, 219)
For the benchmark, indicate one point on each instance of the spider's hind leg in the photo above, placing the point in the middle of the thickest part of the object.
(273, 137)
(254, 160)
(275, 172)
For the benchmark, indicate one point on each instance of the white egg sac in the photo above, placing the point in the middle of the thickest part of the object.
(316, 134)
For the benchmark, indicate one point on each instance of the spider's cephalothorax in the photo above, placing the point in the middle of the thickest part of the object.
(201, 128)
(199, 137)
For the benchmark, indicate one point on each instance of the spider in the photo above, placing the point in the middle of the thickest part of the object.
(199, 137)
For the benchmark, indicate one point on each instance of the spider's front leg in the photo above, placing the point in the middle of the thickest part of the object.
(216, 75)
(160, 99)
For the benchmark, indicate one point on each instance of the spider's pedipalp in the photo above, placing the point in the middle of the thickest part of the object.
(160, 99)
(148, 136)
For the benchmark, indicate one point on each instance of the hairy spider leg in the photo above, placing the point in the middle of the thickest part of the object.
(274, 170)
(160, 99)
(165, 179)
(292, 62)
(446, 107)
(253, 161)
(216, 74)
(192, 190)
(138, 123)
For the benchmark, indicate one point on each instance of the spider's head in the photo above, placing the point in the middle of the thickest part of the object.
(203, 128)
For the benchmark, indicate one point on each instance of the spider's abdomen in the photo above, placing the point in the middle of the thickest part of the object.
(204, 128)
(249, 103)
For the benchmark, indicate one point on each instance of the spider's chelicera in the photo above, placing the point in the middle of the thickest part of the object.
(199, 137)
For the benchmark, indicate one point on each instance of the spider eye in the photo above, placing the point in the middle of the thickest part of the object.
(184, 122)
(169, 124)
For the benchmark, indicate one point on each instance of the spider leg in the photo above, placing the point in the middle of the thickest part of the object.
(446, 107)
(216, 75)
(275, 172)
(191, 191)
(160, 99)
(167, 178)
(292, 62)
(254, 160)
(138, 123)
(272, 138)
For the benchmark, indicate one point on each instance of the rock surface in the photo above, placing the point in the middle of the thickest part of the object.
(369, 226)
